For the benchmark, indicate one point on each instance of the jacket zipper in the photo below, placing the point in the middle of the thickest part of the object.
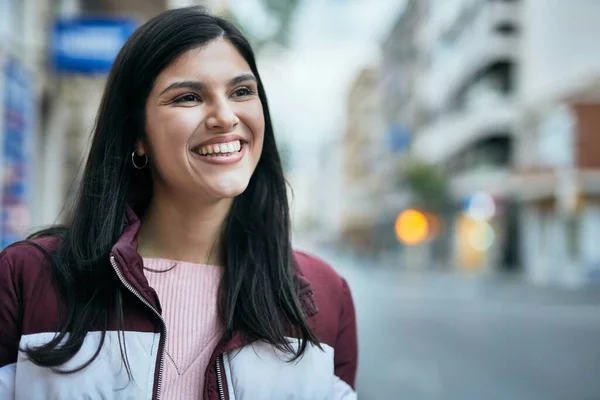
(220, 379)
(164, 325)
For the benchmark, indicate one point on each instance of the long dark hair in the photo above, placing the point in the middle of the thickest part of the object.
(258, 291)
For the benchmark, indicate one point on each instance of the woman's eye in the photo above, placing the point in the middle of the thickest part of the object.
(187, 98)
(244, 91)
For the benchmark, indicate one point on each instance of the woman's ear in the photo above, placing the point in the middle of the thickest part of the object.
(140, 150)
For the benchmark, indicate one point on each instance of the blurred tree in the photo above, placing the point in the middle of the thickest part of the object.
(280, 10)
(426, 183)
(283, 11)
(428, 188)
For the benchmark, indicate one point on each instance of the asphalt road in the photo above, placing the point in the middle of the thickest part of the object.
(427, 336)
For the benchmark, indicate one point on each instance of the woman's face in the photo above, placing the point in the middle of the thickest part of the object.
(204, 124)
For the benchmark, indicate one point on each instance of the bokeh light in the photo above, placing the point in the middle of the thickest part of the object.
(481, 236)
(480, 206)
(412, 227)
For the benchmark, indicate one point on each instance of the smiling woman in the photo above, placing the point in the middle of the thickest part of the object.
(205, 100)
(175, 276)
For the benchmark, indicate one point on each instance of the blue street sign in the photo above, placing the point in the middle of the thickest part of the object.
(398, 138)
(88, 45)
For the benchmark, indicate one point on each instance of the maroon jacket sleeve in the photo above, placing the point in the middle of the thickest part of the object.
(346, 346)
(9, 314)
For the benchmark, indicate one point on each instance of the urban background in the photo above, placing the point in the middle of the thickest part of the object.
(444, 157)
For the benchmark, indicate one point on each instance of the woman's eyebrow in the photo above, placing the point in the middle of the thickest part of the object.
(242, 78)
(195, 85)
(200, 86)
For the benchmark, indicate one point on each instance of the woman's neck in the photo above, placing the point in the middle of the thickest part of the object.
(183, 231)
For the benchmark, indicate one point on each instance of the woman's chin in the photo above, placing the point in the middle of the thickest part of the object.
(228, 191)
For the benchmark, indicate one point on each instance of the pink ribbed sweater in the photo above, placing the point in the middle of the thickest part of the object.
(188, 297)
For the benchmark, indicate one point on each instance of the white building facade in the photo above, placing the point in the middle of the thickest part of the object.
(557, 171)
(511, 98)
(467, 93)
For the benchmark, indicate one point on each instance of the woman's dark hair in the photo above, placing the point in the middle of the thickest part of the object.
(257, 294)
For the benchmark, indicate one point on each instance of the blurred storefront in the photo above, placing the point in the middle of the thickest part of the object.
(559, 186)
(18, 109)
(557, 173)
(22, 78)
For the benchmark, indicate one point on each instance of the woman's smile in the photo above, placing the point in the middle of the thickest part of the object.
(221, 154)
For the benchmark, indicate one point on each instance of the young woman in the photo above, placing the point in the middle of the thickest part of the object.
(174, 277)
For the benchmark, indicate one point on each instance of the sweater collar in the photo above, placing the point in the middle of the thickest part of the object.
(130, 265)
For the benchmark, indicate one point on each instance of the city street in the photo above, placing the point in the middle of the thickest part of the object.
(440, 336)
(456, 140)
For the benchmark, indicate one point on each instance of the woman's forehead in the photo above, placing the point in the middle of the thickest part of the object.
(218, 61)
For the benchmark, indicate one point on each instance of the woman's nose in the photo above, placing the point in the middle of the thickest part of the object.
(222, 117)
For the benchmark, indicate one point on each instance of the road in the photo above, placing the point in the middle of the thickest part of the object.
(449, 337)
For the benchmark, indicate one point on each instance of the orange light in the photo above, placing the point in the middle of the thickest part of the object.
(411, 227)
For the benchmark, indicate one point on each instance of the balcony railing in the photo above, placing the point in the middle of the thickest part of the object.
(478, 45)
(452, 133)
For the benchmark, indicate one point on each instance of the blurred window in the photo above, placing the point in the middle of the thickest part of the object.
(4, 20)
(491, 153)
(590, 232)
(65, 8)
(506, 28)
(466, 15)
(486, 88)
(573, 239)
(11, 18)
(544, 232)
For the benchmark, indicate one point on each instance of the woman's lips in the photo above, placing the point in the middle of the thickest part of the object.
(220, 158)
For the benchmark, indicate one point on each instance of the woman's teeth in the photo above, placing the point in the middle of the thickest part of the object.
(220, 149)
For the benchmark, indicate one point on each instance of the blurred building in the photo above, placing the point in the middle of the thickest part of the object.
(23, 32)
(381, 114)
(557, 163)
(363, 150)
(142, 10)
(402, 60)
(503, 96)
(216, 6)
(468, 116)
